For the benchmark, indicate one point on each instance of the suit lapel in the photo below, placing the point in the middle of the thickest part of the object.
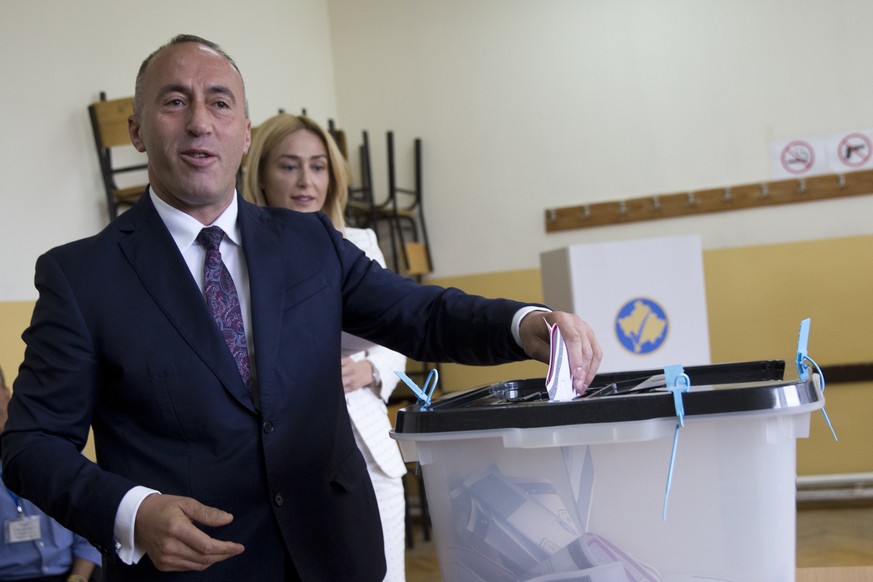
(154, 257)
(265, 260)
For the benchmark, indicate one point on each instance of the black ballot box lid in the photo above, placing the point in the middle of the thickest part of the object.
(742, 387)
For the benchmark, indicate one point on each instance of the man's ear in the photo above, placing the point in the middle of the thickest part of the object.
(248, 136)
(133, 128)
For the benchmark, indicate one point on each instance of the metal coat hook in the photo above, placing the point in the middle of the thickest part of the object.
(728, 195)
(586, 212)
(656, 204)
(553, 216)
(801, 185)
(765, 190)
(622, 207)
(691, 200)
(841, 180)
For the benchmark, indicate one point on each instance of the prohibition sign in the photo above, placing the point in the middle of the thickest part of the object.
(798, 157)
(855, 149)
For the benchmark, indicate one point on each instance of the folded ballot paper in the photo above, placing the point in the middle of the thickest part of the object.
(559, 381)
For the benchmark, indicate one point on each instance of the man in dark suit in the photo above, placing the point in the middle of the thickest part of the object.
(217, 463)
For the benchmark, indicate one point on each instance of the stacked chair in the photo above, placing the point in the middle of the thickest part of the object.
(109, 123)
(401, 213)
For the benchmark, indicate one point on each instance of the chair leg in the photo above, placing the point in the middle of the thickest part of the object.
(419, 200)
(394, 234)
(416, 224)
(410, 538)
(392, 200)
(401, 242)
(425, 512)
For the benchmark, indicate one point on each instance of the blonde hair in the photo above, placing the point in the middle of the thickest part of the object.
(269, 135)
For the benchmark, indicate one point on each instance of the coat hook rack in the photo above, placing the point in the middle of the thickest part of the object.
(756, 195)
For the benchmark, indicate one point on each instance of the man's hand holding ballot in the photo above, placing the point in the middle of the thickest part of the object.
(583, 350)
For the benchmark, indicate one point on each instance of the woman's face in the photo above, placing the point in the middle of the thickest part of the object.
(296, 173)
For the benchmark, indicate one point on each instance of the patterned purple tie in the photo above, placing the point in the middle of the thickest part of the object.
(223, 301)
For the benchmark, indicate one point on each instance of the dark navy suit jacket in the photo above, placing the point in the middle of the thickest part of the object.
(121, 340)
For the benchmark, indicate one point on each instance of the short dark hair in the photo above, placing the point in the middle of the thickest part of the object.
(179, 39)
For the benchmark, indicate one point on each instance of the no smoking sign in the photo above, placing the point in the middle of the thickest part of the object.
(797, 157)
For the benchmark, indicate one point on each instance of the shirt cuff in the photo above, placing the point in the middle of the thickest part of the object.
(125, 519)
(519, 315)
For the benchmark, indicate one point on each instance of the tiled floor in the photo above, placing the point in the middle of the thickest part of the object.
(836, 536)
(421, 561)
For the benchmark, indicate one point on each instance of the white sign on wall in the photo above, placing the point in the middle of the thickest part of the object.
(645, 299)
(799, 157)
(835, 153)
(850, 151)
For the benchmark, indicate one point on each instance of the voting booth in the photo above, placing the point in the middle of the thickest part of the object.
(609, 487)
(645, 299)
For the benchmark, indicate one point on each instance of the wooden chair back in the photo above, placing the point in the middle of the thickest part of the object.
(109, 124)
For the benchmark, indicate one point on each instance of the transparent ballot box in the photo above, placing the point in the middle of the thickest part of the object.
(522, 488)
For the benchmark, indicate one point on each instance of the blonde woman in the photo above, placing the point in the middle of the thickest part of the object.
(294, 163)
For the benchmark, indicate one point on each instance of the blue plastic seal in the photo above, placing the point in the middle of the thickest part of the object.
(677, 382)
(425, 393)
(803, 369)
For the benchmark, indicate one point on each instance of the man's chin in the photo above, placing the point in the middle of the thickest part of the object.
(194, 197)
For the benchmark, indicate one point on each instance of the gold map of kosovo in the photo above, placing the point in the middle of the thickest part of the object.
(642, 325)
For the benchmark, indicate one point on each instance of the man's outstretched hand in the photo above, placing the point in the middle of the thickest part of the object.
(583, 350)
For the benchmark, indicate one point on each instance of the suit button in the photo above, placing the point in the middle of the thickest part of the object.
(279, 499)
(268, 427)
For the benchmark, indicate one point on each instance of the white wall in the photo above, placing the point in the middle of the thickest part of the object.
(524, 105)
(55, 58)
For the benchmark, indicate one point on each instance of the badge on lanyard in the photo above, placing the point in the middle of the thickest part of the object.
(26, 528)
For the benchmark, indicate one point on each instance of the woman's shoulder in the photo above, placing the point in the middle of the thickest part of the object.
(361, 237)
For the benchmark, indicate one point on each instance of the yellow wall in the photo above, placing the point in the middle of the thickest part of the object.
(756, 298)
(519, 285)
(15, 316)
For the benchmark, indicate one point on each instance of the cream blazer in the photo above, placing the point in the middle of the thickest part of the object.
(367, 408)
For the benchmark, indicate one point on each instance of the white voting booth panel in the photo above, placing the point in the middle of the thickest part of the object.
(645, 299)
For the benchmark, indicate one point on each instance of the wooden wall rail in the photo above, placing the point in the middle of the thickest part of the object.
(714, 200)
